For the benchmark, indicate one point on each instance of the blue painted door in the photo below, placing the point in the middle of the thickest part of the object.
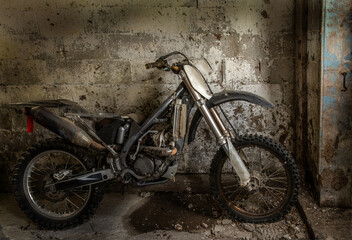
(335, 165)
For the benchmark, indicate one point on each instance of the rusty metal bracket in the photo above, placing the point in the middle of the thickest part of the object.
(344, 88)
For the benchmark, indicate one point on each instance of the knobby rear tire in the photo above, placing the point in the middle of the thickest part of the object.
(33, 212)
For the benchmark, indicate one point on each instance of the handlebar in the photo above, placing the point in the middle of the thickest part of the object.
(161, 63)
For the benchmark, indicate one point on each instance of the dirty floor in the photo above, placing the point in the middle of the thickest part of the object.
(152, 216)
(325, 223)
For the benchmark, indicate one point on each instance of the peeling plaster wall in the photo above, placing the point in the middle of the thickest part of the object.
(94, 52)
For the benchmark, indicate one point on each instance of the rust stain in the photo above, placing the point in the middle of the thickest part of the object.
(339, 180)
(329, 150)
(333, 179)
(238, 110)
(264, 14)
(82, 97)
(326, 177)
(257, 121)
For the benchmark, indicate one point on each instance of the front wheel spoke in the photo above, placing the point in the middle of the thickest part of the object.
(262, 197)
(267, 165)
(229, 181)
(279, 178)
(274, 180)
(230, 186)
(230, 193)
(277, 173)
(276, 188)
(245, 196)
(238, 193)
(272, 194)
(259, 205)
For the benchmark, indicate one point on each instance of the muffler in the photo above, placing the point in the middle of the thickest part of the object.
(64, 128)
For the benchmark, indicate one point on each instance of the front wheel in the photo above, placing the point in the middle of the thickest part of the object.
(273, 186)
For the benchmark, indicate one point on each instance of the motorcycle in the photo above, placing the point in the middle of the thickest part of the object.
(58, 183)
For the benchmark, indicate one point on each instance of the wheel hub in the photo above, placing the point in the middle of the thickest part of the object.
(256, 181)
(53, 196)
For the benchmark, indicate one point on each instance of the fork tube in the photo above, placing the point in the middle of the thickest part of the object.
(218, 121)
(219, 130)
(207, 114)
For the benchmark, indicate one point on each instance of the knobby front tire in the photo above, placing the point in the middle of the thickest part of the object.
(274, 181)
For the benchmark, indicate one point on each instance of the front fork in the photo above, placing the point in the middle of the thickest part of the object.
(221, 133)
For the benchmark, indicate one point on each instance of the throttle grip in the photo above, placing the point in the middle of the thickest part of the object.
(157, 64)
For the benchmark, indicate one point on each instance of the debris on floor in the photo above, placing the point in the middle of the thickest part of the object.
(196, 213)
(325, 222)
(172, 216)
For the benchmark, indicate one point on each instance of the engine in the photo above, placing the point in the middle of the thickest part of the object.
(153, 153)
(144, 166)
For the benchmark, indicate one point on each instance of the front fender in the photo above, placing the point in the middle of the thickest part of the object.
(223, 97)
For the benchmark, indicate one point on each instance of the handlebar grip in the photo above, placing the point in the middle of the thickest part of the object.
(150, 65)
(158, 64)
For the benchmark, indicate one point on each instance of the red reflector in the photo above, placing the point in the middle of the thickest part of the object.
(29, 124)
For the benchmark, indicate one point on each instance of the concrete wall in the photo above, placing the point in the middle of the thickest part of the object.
(94, 52)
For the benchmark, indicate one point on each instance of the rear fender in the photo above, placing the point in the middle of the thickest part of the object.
(223, 97)
(67, 105)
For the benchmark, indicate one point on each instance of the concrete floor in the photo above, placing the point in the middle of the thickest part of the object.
(325, 223)
(151, 216)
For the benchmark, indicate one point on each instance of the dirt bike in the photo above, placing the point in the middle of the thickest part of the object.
(58, 182)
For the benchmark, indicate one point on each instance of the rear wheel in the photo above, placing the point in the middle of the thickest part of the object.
(46, 163)
(273, 186)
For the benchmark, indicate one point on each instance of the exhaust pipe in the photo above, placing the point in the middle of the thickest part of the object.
(64, 128)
